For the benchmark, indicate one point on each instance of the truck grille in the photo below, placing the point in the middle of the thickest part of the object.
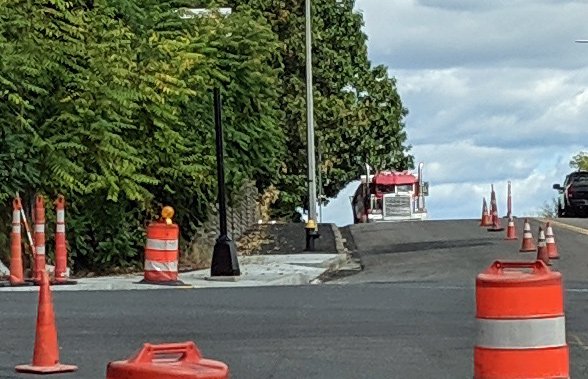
(397, 206)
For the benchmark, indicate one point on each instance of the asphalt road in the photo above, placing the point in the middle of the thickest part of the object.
(452, 252)
(409, 314)
(377, 331)
(444, 257)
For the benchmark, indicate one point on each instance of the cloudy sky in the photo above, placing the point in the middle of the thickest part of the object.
(496, 90)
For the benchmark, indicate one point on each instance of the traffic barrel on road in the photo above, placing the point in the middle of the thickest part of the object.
(167, 361)
(162, 253)
(520, 322)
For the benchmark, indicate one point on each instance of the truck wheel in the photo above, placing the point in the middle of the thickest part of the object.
(568, 212)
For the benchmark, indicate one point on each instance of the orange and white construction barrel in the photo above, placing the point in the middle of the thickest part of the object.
(520, 322)
(162, 254)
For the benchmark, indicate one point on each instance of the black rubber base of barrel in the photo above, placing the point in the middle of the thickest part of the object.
(170, 283)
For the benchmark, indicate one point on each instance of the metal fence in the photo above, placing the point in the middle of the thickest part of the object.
(243, 212)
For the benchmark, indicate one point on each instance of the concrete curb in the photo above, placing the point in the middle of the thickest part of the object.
(339, 240)
(343, 257)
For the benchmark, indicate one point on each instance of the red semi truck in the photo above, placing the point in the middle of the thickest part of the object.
(390, 196)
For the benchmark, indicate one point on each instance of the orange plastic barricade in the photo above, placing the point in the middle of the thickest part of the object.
(161, 254)
(167, 361)
(520, 322)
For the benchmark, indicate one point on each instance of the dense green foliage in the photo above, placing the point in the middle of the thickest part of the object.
(110, 103)
(358, 113)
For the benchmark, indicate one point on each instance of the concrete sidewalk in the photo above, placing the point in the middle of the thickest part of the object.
(257, 270)
(283, 262)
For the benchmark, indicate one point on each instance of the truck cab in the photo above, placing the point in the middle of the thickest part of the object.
(573, 195)
(390, 196)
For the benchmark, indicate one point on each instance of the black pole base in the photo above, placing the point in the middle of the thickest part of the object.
(311, 235)
(224, 258)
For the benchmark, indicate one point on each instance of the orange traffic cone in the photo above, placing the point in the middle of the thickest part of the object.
(542, 253)
(550, 241)
(46, 353)
(486, 217)
(494, 210)
(528, 244)
(511, 233)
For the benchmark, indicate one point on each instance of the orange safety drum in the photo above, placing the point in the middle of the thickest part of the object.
(520, 322)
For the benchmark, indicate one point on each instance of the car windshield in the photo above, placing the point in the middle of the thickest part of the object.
(404, 188)
(579, 179)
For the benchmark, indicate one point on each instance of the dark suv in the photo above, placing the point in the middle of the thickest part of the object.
(573, 195)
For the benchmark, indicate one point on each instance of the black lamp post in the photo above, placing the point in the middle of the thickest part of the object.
(224, 255)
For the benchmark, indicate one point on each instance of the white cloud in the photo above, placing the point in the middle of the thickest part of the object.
(432, 34)
(496, 91)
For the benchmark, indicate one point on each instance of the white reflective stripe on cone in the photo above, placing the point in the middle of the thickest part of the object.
(40, 250)
(60, 228)
(16, 229)
(521, 334)
(161, 266)
(40, 228)
(165, 245)
(15, 216)
(60, 215)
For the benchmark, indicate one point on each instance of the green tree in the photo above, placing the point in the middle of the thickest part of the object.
(580, 161)
(358, 113)
(110, 103)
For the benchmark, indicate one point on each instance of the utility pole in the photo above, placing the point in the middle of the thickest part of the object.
(311, 226)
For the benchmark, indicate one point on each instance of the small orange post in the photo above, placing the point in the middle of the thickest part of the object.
(39, 238)
(60, 247)
(60, 276)
(16, 265)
